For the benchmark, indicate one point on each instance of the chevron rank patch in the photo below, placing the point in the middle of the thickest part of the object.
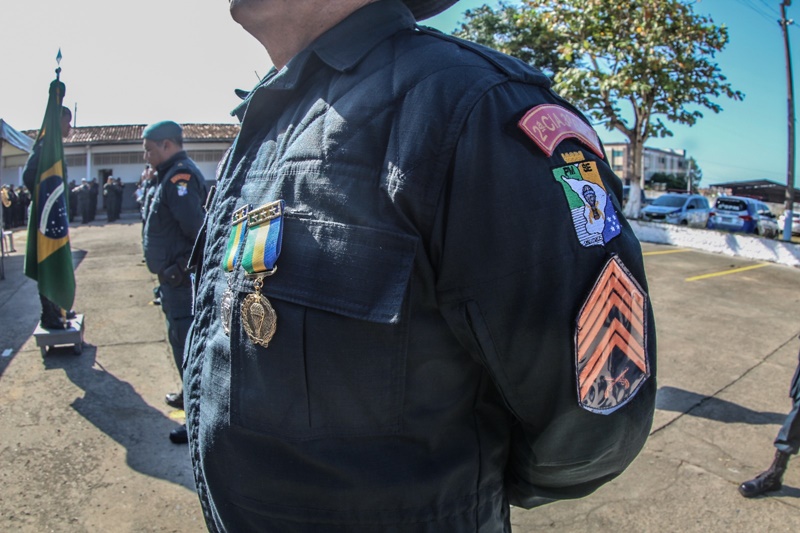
(593, 214)
(611, 341)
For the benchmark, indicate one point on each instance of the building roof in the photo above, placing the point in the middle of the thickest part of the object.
(132, 133)
(765, 190)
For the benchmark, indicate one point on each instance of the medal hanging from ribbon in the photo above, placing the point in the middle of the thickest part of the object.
(233, 255)
(261, 250)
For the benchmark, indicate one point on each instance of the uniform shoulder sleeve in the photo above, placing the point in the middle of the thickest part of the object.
(184, 193)
(534, 245)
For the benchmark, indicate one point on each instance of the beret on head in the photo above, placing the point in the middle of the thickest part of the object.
(166, 129)
(423, 9)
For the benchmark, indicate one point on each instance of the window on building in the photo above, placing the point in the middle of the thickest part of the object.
(617, 153)
(75, 160)
(117, 158)
(206, 156)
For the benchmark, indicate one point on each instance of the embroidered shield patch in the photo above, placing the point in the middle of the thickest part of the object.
(611, 341)
(593, 213)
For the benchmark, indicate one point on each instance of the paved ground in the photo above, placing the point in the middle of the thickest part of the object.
(83, 439)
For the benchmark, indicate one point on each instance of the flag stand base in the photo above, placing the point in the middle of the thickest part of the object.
(72, 336)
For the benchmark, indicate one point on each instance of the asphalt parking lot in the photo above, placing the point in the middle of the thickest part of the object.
(83, 439)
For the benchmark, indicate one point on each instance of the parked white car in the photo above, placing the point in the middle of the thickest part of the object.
(795, 222)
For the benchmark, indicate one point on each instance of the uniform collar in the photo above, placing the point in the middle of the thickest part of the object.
(342, 47)
(166, 165)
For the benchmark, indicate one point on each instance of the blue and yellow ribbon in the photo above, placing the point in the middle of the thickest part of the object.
(264, 235)
(236, 239)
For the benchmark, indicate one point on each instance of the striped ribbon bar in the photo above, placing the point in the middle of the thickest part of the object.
(236, 239)
(264, 235)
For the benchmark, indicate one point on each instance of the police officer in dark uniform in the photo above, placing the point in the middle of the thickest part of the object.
(82, 192)
(418, 300)
(787, 443)
(172, 221)
(73, 200)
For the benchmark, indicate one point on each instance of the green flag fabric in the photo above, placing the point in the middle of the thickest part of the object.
(48, 257)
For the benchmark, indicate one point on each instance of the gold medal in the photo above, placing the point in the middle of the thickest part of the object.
(258, 317)
(225, 310)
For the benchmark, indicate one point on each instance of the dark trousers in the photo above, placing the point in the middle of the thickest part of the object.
(788, 439)
(51, 313)
(176, 302)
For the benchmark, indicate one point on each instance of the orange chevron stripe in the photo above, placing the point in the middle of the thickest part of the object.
(617, 337)
(598, 321)
(595, 339)
(611, 281)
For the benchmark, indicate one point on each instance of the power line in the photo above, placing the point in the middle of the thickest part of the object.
(759, 9)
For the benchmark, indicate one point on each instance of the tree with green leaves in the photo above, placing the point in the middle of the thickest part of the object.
(629, 64)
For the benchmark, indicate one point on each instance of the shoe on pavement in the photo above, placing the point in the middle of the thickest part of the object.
(768, 481)
(179, 435)
(764, 482)
(174, 399)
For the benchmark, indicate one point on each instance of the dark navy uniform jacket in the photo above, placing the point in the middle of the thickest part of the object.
(423, 371)
(174, 213)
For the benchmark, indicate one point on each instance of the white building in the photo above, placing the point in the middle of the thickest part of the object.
(102, 152)
(654, 161)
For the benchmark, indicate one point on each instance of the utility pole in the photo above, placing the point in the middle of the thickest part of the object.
(787, 224)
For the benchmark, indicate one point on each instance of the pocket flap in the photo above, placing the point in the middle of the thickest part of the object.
(354, 271)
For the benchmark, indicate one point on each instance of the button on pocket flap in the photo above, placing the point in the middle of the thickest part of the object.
(354, 271)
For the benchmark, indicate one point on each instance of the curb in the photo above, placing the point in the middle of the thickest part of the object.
(731, 244)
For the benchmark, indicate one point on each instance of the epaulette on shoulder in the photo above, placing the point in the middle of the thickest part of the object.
(511, 66)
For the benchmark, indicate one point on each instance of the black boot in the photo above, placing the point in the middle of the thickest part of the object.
(769, 480)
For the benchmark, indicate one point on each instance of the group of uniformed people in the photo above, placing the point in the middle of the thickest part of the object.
(85, 196)
(112, 194)
(14, 204)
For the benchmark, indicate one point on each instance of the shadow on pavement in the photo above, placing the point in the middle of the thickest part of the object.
(19, 305)
(116, 409)
(691, 403)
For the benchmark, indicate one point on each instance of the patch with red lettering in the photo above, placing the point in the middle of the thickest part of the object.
(180, 177)
(549, 124)
(611, 341)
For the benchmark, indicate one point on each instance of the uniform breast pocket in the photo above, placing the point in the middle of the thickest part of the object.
(336, 364)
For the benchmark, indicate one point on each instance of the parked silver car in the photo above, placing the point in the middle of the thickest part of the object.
(678, 208)
(742, 214)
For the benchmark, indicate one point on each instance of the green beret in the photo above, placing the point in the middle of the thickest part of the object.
(166, 129)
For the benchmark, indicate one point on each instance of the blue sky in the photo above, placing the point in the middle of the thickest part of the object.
(139, 62)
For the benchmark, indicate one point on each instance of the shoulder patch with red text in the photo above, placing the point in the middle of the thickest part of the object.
(549, 124)
(180, 177)
(611, 341)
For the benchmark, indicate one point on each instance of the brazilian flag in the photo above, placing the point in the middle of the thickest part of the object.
(48, 258)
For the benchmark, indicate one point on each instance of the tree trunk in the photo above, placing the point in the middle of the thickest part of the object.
(634, 205)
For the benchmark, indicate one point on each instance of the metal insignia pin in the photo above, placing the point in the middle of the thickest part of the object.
(258, 317)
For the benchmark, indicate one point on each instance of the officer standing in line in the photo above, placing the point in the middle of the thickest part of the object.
(787, 443)
(73, 200)
(172, 221)
(94, 194)
(109, 199)
(404, 320)
(82, 193)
